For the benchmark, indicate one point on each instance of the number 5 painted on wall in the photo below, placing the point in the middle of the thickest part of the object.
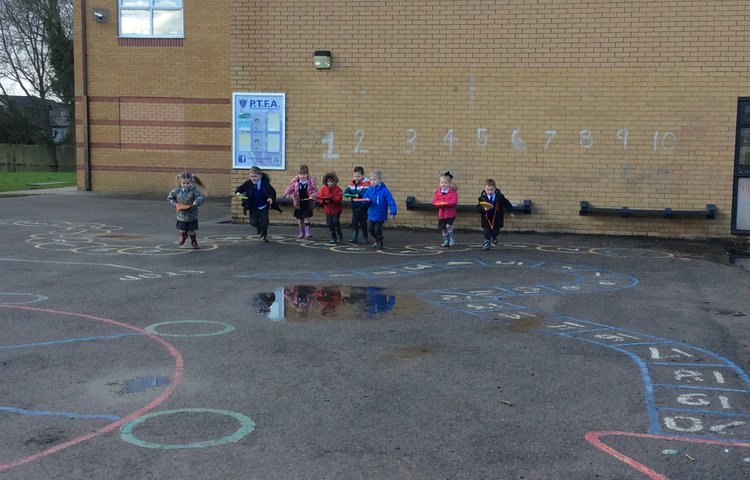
(482, 138)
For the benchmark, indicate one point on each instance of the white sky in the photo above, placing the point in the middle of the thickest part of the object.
(12, 87)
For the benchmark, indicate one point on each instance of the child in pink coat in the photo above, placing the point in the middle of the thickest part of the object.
(446, 199)
(304, 192)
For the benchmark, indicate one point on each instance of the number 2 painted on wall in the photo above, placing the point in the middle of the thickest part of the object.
(360, 135)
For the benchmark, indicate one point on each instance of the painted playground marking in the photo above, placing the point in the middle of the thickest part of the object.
(246, 426)
(132, 420)
(578, 279)
(161, 398)
(76, 416)
(21, 298)
(692, 395)
(87, 238)
(154, 328)
(431, 249)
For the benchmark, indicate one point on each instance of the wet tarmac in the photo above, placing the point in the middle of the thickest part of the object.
(123, 355)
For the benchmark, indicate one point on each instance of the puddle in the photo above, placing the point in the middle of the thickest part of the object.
(304, 303)
(143, 383)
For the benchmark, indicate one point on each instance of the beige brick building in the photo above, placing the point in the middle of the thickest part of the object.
(561, 101)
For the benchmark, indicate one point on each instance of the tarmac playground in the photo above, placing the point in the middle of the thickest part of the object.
(123, 355)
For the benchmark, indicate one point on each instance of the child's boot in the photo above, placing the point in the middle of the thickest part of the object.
(355, 237)
(194, 242)
(446, 240)
(451, 240)
(308, 230)
(181, 240)
(333, 238)
(486, 245)
(301, 232)
(365, 239)
(339, 236)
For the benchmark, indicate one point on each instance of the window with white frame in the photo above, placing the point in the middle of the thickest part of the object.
(151, 18)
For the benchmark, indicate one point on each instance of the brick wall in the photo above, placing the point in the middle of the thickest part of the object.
(157, 107)
(618, 103)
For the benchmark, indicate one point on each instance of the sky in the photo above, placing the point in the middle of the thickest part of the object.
(12, 87)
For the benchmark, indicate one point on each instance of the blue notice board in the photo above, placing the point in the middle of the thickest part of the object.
(258, 130)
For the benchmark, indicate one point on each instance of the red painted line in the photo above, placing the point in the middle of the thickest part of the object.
(168, 391)
(594, 439)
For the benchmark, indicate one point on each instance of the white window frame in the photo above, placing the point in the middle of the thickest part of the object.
(151, 7)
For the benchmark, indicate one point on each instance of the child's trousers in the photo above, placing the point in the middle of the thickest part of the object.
(490, 233)
(259, 220)
(359, 222)
(333, 220)
(376, 230)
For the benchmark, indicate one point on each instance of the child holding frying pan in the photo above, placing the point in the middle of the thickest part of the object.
(380, 200)
(330, 197)
(186, 197)
(490, 205)
(446, 199)
(303, 192)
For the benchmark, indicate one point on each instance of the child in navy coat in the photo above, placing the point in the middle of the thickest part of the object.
(491, 204)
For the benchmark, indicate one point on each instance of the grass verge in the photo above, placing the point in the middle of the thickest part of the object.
(12, 181)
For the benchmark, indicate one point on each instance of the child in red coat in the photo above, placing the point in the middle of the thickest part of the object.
(330, 197)
(446, 199)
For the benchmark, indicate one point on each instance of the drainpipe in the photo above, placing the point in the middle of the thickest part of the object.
(85, 103)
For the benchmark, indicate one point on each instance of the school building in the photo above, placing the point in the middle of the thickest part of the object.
(581, 108)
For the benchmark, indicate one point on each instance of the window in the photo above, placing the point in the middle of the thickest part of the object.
(151, 18)
(741, 199)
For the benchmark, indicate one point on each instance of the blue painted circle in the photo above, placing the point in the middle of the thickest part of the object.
(246, 426)
(153, 329)
(34, 298)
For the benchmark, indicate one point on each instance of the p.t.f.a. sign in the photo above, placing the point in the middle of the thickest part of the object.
(258, 130)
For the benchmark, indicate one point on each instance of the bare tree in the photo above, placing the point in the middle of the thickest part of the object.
(33, 34)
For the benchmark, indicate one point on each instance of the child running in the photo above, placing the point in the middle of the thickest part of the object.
(303, 191)
(490, 205)
(186, 198)
(379, 199)
(446, 199)
(356, 191)
(330, 197)
(259, 197)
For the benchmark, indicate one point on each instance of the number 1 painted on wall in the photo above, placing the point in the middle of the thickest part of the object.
(328, 139)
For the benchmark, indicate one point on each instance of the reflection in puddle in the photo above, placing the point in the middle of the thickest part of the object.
(308, 302)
